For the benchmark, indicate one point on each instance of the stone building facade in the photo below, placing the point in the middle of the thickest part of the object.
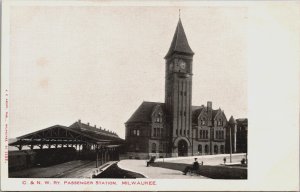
(175, 127)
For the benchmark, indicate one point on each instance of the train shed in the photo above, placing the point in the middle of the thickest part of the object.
(88, 141)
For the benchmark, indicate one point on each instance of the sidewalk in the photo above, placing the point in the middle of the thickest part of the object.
(207, 159)
(139, 166)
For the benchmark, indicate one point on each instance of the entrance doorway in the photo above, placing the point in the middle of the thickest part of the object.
(182, 148)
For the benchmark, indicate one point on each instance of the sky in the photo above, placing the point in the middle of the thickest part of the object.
(98, 64)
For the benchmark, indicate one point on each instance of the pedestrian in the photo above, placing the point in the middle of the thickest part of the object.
(224, 160)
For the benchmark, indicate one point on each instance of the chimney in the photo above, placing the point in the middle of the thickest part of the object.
(209, 105)
(209, 112)
(95, 126)
(79, 121)
(100, 128)
(88, 124)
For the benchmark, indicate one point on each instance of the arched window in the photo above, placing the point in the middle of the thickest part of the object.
(206, 149)
(216, 149)
(153, 148)
(222, 149)
(200, 149)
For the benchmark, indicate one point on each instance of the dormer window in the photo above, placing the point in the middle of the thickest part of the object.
(219, 122)
(136, 132)
(158, 118)
(203, 121)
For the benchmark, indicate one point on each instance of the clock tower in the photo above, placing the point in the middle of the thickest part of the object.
(178, 93)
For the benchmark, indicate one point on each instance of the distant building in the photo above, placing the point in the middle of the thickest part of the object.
(175, 127)
(231, 133)
(242, 135)
(239, 135)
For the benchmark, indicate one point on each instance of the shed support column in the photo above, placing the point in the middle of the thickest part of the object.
(97, 157)
(79, 151)
(102, 157)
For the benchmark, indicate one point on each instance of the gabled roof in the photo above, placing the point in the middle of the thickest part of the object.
(214, 113)
(93, 131)
(144, 112)
(59, 134)
(196, 110)
(179, 43)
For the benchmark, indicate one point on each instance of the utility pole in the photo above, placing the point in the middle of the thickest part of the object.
(230, 143)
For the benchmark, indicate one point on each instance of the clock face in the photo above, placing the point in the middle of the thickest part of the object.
(182, 64)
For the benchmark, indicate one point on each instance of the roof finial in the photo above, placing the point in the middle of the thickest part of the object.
(179, 13)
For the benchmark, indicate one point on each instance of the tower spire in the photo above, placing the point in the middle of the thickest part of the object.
(179, 43)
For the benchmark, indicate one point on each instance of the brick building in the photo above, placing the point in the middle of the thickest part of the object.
(242, 135)
(176, 128)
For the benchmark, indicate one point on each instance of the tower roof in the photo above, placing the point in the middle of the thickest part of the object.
(231, 120)
(179, 42)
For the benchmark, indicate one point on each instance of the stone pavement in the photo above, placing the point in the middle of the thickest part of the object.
(139, 166)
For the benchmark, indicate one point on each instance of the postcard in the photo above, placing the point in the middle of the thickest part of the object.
(149, 95)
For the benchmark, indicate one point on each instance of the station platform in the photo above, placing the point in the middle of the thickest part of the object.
(71, 169)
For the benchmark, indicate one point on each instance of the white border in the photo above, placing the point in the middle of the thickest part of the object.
(260, 177)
